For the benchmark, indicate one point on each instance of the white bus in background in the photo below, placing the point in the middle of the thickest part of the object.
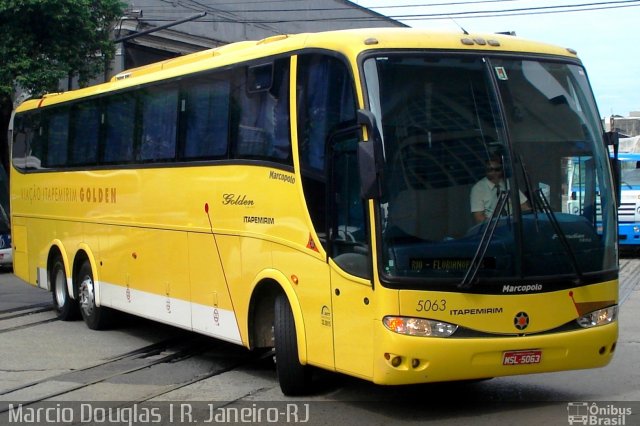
(629, 209)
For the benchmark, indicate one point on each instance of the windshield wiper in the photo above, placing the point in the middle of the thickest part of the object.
(487, 235)
(538, 197)
(546, 208)
(529, 186)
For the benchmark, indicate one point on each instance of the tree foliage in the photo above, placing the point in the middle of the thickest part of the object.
(44, 41)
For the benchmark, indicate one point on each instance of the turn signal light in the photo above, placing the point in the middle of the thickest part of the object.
(419, 326)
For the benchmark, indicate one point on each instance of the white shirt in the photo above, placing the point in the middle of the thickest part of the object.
(484, 197)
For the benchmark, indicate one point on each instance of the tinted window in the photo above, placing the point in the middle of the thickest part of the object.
(120, 118)
(27, 141)
(326, 102)
(58, 138)
(207, 118)
(263, 128)
(85, 133)
(158, 126)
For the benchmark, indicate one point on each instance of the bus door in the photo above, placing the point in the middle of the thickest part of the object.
(351, 288)
(327, 136)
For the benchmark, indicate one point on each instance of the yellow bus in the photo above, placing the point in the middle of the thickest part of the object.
(312, 193)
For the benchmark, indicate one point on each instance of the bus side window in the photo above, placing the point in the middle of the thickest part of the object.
(120, 126)
(57, 137)
(348, 229)
(325, 99)
(207, 108)
(263, 129)
(85, 133)
(158, 128)
(22, 133)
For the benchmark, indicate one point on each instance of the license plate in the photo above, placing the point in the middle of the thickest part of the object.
(521, 357)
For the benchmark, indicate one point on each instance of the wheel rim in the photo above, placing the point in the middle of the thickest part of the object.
(60, 289)
(87, 299)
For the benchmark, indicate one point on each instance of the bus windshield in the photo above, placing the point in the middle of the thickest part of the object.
(479, 158)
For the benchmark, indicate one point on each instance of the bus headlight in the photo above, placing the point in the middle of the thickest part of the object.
(599, 317)
(419, 326)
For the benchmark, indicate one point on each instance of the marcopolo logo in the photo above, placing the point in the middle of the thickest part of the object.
(597, 414)
(521, 288)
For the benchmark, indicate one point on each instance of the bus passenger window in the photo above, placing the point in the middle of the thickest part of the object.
(263, 129)
(58, 138)
(120, 114)
(27, 149)
(159, 118)
(207, 119)
(85, 132)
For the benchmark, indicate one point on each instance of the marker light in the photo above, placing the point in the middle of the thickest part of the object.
(599, 317)
(419, 326)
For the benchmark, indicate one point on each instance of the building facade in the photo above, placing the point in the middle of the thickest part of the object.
(153, 30)
(627, 126)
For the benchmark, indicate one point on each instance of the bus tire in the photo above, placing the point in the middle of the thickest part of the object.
(294, 378)
(96, 317)
(65, 307)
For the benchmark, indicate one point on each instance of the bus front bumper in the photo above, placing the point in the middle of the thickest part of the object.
(400, 359)
(629, 234)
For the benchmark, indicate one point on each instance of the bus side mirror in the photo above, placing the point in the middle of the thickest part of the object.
(369, 157)
(369, 187)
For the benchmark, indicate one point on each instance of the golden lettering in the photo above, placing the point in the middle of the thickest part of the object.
(55, 194)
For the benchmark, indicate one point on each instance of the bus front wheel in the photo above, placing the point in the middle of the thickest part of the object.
(96, 317)
(294, 378)
(65, 307)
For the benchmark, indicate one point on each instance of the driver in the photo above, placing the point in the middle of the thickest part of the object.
(484, 194)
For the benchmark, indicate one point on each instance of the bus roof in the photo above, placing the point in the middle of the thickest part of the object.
(349, 42)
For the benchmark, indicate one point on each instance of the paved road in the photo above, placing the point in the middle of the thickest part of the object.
(161, 375)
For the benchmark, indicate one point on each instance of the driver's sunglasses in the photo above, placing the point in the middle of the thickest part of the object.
(494, 169)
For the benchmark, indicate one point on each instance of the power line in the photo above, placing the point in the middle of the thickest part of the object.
(521, 13)
(329, 9)
(524, 10)
(435, 16)
(449, 3)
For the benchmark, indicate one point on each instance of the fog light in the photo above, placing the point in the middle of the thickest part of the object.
(599, 317)
(419, 326)
(396, 361)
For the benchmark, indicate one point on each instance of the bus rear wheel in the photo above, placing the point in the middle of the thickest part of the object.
(96, 317)
(65, 307)
(294, 378)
